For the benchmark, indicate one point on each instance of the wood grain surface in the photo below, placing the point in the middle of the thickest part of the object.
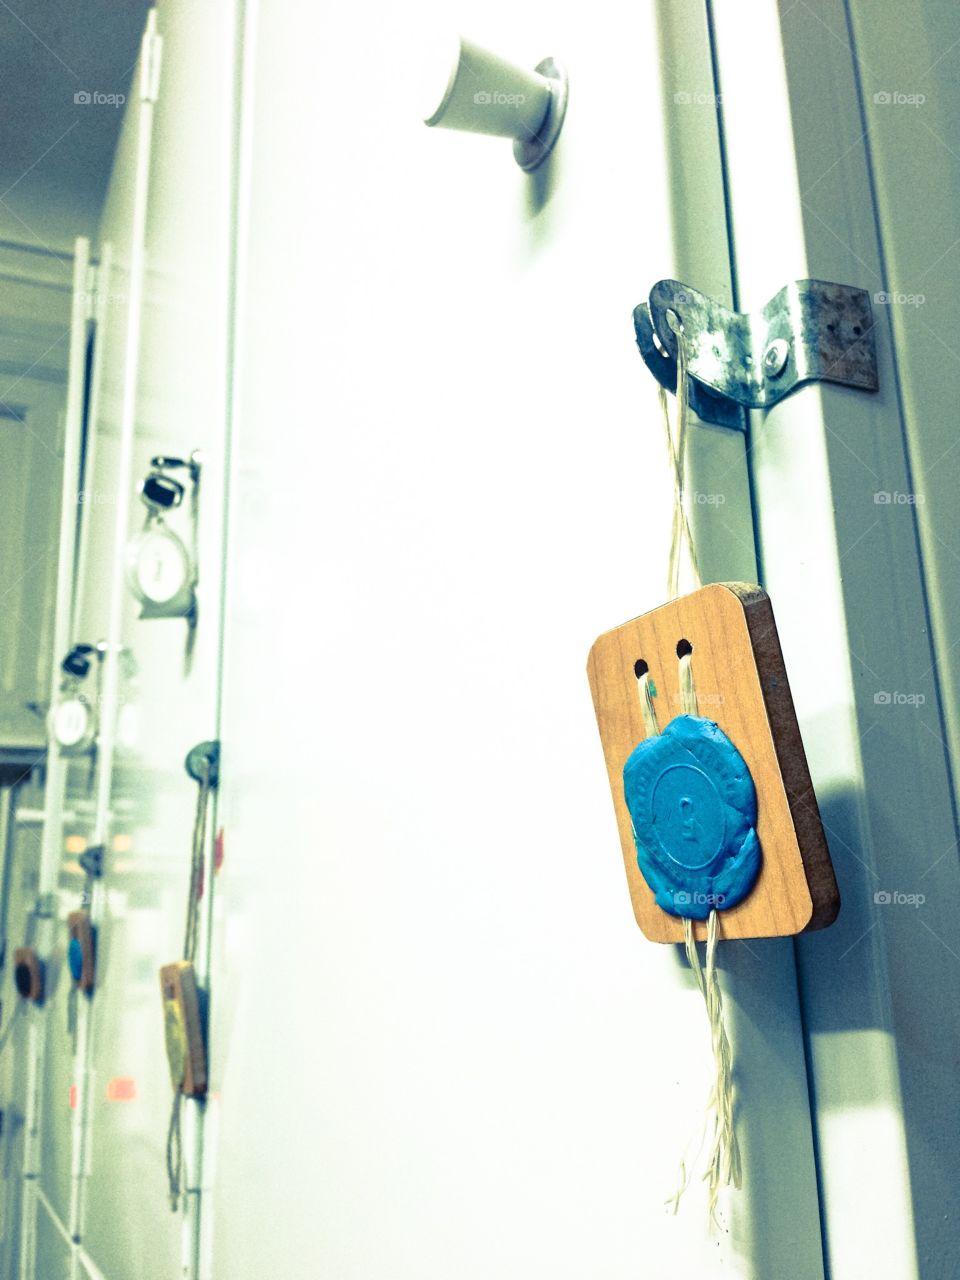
(742, 684)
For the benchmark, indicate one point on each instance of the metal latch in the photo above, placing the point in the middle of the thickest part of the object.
(91, 861)
(203, 763)
(811, 331)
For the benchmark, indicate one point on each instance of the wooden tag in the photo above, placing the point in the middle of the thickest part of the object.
(28, 974)
(741, 684)
(183, 1028)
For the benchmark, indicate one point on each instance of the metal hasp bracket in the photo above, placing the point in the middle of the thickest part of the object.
(811, 331)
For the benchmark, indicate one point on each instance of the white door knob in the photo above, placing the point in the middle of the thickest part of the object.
(484, 94)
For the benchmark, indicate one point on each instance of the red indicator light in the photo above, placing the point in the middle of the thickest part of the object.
(121, 1089)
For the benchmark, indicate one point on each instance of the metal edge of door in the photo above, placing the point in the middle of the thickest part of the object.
(774, 1222)
(201, 1140)
(848, 584)
(148, 78)
(100, 295)
(240, 126)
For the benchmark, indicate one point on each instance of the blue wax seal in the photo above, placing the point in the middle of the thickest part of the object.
(694, 811)
(75, 959)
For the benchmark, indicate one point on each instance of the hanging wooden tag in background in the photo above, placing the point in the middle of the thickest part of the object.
(741, 684)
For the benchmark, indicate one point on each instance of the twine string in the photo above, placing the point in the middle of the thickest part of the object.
(723, 1164)
(175, 1151)
(192, 931)
(681, 533)
(689, 706)
(648, 711)
(190, 940)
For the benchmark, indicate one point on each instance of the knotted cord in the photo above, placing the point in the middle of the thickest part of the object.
(724, 1165)
(191, 936)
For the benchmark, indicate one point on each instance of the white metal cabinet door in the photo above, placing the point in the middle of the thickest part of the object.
(447, 1049)
(180, 406)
